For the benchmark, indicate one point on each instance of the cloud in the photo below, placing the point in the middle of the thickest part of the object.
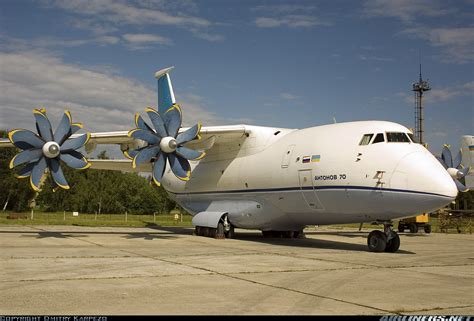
(102, 101)
(107, 16)
(405, 10)
(457, 44)
(293, 16)
(375, 58)
(143, 40)
(441, 94)
(288, 96)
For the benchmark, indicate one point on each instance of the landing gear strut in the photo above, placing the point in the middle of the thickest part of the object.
(386, 241)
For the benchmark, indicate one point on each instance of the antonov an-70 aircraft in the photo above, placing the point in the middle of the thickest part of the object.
(277, 180)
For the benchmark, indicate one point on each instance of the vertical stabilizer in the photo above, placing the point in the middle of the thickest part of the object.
(165, 90)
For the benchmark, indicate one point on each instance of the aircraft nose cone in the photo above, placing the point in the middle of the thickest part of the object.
(421, 173)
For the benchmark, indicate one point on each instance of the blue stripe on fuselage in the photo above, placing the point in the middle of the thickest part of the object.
(317, 188)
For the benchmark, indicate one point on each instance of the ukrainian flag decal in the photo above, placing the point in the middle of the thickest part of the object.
(471, 148)
(315, 158)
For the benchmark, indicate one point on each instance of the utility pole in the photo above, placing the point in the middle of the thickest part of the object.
(420, 87)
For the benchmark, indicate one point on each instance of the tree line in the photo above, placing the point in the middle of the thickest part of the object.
(91, 191)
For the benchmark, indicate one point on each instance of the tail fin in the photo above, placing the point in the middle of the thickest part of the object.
(165, 90)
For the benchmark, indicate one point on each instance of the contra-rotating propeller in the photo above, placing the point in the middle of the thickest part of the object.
(164, 143)
(45, 151)
(454, 167)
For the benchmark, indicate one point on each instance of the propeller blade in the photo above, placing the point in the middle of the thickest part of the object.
(190, 154)
(43, 125)
(26, 171)
(446, 156)
(140, 123)
(130, 154)
(189, 134)
(64, 128)
(37, 172)
(461, 186)
(180, 167)
(75, 127)
(442, 162)
(173, 119)
(165, 90)
(57, 173)
(157, 122)
(145, 135)
(25, 139)
(145, 155)
(74, 159)
(465, 170)
(29, 155)
(75, 143)
(159, 168)
(458, 159)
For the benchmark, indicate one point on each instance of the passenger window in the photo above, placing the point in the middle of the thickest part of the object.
(397, 138)
(366, 139)
(378, 139)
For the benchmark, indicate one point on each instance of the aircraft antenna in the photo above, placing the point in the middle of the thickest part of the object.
(419, 88)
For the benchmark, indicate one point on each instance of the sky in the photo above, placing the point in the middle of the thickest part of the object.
(290, 64)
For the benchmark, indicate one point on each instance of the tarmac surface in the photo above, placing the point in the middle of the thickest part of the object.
(58, 270)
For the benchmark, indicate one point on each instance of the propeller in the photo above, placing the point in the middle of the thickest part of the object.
(454, 167)
(45, 150)
(164, 143)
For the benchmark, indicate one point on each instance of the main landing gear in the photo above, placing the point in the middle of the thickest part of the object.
(224, 230)
(386, 241)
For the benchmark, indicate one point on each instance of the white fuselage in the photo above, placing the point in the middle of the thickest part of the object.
(265, 181)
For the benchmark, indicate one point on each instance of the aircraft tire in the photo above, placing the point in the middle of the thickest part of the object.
(377, 241)
(393, 244)
(230, 234)
(220, 234)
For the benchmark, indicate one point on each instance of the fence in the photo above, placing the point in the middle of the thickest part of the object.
(71, 218)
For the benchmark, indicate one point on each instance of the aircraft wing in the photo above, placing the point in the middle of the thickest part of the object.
(210, 137)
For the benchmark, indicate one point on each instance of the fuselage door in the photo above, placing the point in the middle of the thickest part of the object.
(285, 161)
(307, 189)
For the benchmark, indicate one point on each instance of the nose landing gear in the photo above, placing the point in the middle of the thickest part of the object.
(386, 241)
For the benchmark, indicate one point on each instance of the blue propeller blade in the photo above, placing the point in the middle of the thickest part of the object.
(458, 159)
(145, 135)
(29, 155)
(180, 167)
(64, 128)
(446, 156)
(158, 122)
(145, 155)
(43, 125)
(159, 168)
(25, 139)
(75, 160)
(75, 127)
(26, 170)
(75, 143)
(57, 173)
(189, 134)
(173, 119)
(37, 172)
(190, 154)
(460, 186)
(140, 123)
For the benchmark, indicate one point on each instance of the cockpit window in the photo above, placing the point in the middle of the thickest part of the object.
(412, 138)
(366, 139)
(378, 139)
(397, 138)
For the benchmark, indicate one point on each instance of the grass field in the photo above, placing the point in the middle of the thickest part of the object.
(134, 220)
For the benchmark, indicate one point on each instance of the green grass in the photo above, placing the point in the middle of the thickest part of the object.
(60, 218)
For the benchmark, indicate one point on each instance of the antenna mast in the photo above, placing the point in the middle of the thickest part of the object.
(419, 87)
